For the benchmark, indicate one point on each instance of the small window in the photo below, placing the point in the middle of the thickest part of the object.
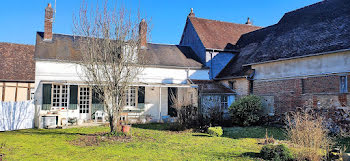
(343, 84)
(251, 86)
(59, 95)
(231, 84)
(224, 103)
(32, 92)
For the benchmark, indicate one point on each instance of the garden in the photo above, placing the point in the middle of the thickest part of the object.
(302, 138)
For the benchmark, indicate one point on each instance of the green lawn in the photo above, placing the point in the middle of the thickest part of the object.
(149, 142)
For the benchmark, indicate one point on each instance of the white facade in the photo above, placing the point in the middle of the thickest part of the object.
(155, 79)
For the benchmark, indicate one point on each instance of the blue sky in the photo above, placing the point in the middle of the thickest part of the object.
(21, 19)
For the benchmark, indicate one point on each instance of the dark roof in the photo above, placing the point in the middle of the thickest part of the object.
(217, 34)
(318, 28)
(17, 62)
(211, 87)
(171, 55)
(64, 47)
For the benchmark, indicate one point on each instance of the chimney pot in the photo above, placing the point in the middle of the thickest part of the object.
(191, 13)
(143, 33)
(248, 22)
(48, 22)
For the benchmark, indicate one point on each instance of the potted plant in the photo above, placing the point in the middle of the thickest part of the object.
(126, 126)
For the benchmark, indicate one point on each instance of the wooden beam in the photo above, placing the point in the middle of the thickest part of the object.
(3, 91)
(16, 92)
(28, 92)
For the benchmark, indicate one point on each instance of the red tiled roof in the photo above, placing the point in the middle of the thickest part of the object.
(217, 34)
(17, 62)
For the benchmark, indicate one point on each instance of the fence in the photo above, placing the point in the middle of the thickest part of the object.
(16, 115)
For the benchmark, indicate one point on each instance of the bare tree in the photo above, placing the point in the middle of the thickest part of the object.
(109, 43)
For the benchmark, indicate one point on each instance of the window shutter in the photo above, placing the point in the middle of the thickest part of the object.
(46, 97)
(141, 95)
(73, 97)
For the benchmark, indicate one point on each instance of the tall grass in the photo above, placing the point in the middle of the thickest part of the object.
(306, 130)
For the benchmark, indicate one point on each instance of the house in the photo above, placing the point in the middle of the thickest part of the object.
(303, 59)
(213, 40)
(62, 94)
(214, 43)
(17, 72)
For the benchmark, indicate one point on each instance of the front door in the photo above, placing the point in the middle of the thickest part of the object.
(85, 103)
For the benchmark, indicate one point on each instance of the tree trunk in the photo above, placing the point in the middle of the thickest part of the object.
(111, 124)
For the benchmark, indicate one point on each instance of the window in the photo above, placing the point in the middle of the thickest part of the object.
(231, 84)
(251, 86)
(84, 100)
(343, 84)
(32, 92)
(224, 102)
(131, 96)
(59, 95)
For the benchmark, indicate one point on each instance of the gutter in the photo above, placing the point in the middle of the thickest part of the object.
(233, 77)
(222, 50)
(157, 66)
(22, 81)
(297, 57)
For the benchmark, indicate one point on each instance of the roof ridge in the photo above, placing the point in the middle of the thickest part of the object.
(147, 42)
(15, 43)
(162, 44)
(226, 22)
(311, 5)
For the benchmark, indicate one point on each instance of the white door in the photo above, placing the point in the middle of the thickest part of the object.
(85, 103)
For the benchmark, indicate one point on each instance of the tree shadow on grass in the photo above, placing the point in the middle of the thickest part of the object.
(201, 135)
(153, 126)
(251, 155)
(49, 132)
(231, 155)
(53, 132)
(257, 132)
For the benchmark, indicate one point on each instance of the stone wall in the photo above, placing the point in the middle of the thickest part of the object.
(240, 85)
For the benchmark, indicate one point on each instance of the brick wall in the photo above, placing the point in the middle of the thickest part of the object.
(326, 84)
(291, 93)
(287, 92)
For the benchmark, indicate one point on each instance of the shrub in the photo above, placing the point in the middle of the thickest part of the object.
(188, 116)
(306, 130)
(276, 152)
(246, 111)
(215, 131)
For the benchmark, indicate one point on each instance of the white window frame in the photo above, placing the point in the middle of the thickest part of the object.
(62, 98)
(87, 102)
(131, 102)
(345, 85)
(224, 103)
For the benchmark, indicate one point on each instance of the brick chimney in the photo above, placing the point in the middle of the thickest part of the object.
(48, 22)
(143, 33)
(191, 13)
(248, 22)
